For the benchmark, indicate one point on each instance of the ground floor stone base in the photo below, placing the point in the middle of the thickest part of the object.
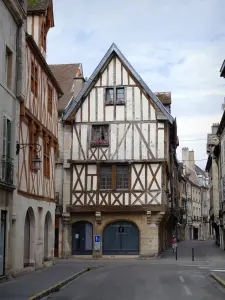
(30, 235)
(119, 233)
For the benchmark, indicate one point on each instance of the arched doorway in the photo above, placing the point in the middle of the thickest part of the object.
(82, 233)
(121, 237)
(29, 238)
(47, 236)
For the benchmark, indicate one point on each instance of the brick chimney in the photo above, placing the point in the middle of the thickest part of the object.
(185, 156)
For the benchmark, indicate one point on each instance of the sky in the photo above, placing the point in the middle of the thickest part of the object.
(176, 46)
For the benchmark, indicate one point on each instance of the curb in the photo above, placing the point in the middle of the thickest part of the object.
(218, 279)
(59, 285)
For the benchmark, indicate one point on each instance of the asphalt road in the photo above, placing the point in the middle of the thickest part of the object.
(143, 280)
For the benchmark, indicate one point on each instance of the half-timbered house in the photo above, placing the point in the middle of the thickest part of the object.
(118, 138)
(34, 208)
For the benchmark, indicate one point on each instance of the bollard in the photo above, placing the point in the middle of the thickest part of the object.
(176, 253)
(193, 254)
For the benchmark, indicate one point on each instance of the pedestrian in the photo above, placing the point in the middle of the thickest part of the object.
(174, 243)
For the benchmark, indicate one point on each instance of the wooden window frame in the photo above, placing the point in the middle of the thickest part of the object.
(8, 66)
(46, 154)
(33, 140)
(43, 35)
(34, 78)
(50, 94)
(114, 101)
(99, 143)
(114, 177)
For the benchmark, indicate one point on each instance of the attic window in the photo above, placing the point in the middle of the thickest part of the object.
(115, 96)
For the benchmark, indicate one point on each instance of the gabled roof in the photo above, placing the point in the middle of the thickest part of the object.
(91, 81)
(199, 171)
(65, 75)
(193, 176)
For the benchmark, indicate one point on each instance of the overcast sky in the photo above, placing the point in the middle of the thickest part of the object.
(175, 45)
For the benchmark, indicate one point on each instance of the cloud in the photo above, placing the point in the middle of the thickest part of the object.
(175, 46)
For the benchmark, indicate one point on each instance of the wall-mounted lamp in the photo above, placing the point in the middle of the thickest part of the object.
(36, 160)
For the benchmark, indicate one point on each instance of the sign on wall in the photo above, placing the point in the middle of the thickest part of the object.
(97, 242)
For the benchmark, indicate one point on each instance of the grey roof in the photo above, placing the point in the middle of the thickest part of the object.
(91, 81)
(38, 6)
(199, 171)
(193, 176)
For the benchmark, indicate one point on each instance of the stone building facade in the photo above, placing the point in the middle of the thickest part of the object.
(12, 93)
(118, 143)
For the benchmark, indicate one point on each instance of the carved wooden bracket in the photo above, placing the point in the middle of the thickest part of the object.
(98, 217)
(148, 215)
(159, 217)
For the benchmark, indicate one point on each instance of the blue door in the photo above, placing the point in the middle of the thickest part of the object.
(121, 238)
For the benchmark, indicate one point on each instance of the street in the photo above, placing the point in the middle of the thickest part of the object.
(142, 280)
(131, 279)
(160, 279)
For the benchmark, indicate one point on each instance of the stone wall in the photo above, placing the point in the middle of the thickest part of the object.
(151, 235)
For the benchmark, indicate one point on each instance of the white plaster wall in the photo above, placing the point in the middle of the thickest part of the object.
(20, 208)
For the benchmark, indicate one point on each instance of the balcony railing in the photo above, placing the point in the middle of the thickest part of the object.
(6, 172)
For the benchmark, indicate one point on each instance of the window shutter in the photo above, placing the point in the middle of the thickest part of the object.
(9, 138)
(4, 136)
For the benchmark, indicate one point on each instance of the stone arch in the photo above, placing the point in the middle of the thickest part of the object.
(29, 238)
(82, 238)
(121, 237)
(48, 236)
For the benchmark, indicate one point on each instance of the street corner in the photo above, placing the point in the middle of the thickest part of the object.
(220, 278)
(55, 288)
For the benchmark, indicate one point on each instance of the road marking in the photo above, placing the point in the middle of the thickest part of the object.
(181, 279)
(187, 290)
(217, 270)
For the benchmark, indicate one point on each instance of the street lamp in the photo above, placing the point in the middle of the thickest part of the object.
(36, 160)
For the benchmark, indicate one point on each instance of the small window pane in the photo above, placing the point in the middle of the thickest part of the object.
(120, 96)
(106, 177)
(109, 96)
(122, 174)
(100, 134)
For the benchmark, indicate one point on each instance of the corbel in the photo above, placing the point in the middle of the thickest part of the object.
(148, 215)
(160, 216)
(98, 217)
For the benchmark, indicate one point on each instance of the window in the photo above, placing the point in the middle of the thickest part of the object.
(109, 96)
(43, 35)
(46, 157)
(33, 140)
(115, 96)
(49, 99)
(34, 78)
(122, 173)
(114, 177)
(7, 137)
(8, 67)
(100, 135)
(106, 177)
(120, 96)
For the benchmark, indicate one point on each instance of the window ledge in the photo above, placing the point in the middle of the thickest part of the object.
(93, 144)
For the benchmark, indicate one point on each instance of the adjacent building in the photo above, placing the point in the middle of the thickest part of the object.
(212, 167)
(197, 198)
(33, 215)
(117, 153)
(12, 93)
(70, 77)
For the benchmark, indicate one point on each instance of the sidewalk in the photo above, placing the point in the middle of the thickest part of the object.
(28, 285)
(219, 277)
(205, 251)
